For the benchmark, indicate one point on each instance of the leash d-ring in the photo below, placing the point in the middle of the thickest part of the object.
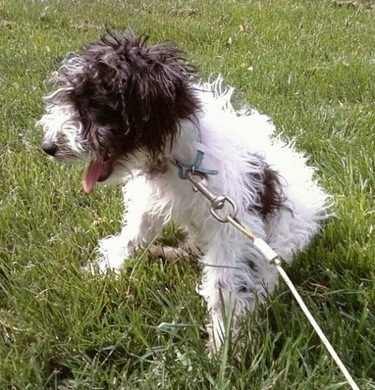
(217, 201)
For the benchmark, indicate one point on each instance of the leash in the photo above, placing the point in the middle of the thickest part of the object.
(217, 203)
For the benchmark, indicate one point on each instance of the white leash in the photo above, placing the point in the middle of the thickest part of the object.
(217, 203)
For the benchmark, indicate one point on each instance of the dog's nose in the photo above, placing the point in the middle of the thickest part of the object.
(49, 147)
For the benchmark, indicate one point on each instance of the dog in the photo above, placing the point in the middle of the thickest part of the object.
(136, 114)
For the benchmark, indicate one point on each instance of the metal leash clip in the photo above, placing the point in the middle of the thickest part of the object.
(217, 201)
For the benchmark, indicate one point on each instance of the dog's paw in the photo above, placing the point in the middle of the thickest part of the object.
(111, 255)
(100, 267)
(96, 268)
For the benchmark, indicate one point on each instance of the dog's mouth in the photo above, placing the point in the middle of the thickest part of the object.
(97, 171)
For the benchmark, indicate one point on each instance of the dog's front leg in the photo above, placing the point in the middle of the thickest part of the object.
(142, 222)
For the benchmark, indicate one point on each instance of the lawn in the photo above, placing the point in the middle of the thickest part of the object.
(310, 65)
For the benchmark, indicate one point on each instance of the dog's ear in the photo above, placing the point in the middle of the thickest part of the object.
(155, 90)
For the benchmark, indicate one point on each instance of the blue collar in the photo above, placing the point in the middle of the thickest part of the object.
(196, 166)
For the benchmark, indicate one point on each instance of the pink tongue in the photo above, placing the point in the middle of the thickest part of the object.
(92, 174)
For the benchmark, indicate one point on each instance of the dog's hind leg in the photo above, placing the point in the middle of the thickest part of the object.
(235, 278)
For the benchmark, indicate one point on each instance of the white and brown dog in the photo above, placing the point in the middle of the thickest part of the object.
(133, 112)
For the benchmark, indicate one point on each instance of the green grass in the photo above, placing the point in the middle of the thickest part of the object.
(308, 64)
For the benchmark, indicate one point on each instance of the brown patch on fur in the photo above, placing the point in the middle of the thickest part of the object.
(251, 264)
(271, 197)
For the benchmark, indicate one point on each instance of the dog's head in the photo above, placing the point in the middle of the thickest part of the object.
(115, 98)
